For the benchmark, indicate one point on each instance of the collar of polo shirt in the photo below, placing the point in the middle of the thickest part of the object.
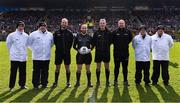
(42, 32)
(145, 34)
(19, 32)
(158, 35)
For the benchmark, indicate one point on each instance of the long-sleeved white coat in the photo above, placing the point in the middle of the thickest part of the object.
(161, 46)
(41, 43)
(17, 44)
(142, 47)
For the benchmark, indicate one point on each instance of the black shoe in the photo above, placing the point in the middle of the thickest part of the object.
(11, 89)
(126, 83)
(166, 84)
(137, 84)
(154, 83)
(77, 85)
(115, 84)
(36, 88)
(90, 85)
(54, 85)
(44, 86)
(68, 85)
(147, 84)
(23, 87)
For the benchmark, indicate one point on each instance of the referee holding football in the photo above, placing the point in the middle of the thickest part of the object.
(83, 44)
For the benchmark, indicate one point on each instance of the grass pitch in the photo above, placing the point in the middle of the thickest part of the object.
(141, 93)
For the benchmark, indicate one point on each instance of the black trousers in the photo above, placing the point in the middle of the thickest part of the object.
(40, 73)
(156, 71)
(142, 66)
(124, 68)
(13, 72)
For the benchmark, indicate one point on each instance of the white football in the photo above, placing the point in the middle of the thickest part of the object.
(83, 50)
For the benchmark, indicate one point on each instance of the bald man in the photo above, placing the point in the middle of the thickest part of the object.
(63, 40)
(121, 39)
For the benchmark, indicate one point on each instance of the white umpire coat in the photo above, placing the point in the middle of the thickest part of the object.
(161, 46)
(142, 47)
(41, 43)
(17, 45)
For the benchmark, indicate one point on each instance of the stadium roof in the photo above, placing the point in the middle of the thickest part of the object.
(89, 3)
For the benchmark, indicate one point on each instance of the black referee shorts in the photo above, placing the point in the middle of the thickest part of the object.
(83, 59)
(66, 57)
(105, 57)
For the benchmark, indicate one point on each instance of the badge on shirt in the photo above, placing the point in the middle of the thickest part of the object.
(58, 34)
(138, 42)
(117, 34)
(125, 34)
(38, 38)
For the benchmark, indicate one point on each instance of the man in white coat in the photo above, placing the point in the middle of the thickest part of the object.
(142, 46)
(17, 45)
(161, 43)
(41, 42)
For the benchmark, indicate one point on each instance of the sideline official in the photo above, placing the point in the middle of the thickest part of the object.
(40, 42)
(17, 44)
(161, 43)
(142, 47)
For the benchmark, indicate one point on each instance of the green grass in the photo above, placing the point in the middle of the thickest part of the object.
(158, 93)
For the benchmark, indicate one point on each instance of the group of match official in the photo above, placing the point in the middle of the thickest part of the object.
(41, 41)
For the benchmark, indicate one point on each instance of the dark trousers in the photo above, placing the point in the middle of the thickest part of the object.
(13, 72)
(156, 71)
(142, 66)
(40, 73)
(124, 68)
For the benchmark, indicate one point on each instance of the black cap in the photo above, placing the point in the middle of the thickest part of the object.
(160, 27)
(42, 24)
(142, 27)
(20, 23)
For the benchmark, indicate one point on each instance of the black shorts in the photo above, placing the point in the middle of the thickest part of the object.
(60, 57)
(99, 57)
(83, 59)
